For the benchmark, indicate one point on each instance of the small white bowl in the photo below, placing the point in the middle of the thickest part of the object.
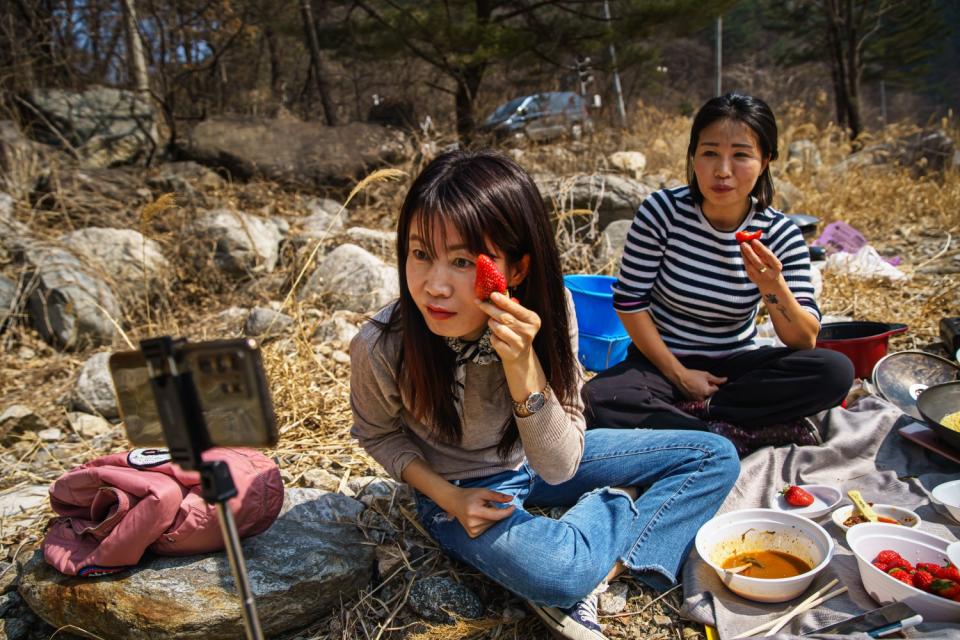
(825, 498)
(868, 540)
(948, 494)
(760, 530)
(905, 517)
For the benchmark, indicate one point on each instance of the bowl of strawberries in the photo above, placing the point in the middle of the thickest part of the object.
(899, 564)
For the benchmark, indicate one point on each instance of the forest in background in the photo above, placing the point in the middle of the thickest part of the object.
(337, 61)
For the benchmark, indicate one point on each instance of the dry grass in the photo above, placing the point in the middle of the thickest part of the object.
(915, 218)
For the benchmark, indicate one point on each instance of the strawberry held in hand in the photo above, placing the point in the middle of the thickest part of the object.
(489, 278)
(797, 497)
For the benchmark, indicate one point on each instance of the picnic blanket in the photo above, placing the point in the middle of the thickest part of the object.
(863, 451)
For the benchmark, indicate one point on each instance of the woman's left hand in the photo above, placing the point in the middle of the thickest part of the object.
(762, 265)
(513, 327)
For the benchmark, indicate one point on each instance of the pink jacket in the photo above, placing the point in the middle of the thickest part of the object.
(118, 506)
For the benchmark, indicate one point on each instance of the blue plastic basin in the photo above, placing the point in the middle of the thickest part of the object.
(598, 354)
(603, 341)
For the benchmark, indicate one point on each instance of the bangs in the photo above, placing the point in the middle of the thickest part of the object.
(459, 209)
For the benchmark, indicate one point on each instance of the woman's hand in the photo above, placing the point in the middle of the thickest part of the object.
(476, 510)
(513, 326)
(763, 267)
(698, 385)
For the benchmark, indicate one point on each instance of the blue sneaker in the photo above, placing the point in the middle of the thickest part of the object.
(579, 622)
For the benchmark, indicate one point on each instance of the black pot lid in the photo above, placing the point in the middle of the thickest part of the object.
(900, 377)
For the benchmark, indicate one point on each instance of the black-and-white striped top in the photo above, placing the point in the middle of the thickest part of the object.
(691, 277)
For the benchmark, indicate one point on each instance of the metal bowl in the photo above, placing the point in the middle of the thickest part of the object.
(936, 402)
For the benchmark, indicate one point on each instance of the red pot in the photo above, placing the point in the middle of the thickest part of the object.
(863, 342)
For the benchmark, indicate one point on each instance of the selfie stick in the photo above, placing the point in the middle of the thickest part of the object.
(185, 431)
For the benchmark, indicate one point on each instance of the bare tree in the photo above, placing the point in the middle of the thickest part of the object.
(135, 57)
(319, 77)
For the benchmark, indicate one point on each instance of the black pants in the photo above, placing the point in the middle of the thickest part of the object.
(764, 386)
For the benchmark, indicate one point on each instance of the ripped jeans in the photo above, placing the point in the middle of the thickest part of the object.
(684, 475)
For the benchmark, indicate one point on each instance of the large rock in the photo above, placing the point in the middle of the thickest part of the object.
(8, 300)
(379, 243)
(21, 162)
(71, 307)
(299, 154)
(439, 599)
(93, 392)
(923, 152)
(184, 178)
(17, 420)
(613, 197)
(803, 155)
(240, 244)
(103, 126)
(630, 162)
(107, 197)
(352, 278)
(300, 568)
(125, 256)
(610, 248)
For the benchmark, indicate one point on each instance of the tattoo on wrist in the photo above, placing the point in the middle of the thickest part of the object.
(770, 298)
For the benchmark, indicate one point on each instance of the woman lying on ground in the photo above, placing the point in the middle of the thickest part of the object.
(698, 262)
(476, 405)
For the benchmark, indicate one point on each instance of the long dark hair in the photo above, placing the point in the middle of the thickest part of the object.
(491, 202)
(751, 111)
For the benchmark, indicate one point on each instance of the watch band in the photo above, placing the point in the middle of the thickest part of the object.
(533, 403)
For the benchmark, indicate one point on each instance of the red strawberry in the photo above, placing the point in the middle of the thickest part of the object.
(796, 497)
(948, 572)
(902, 575)
(888, 557)
(922, 580)
(489, 278)
(929, 567)
(945, 588)
(880, 565)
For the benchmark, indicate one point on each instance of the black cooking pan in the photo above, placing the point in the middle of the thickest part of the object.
(936, 402)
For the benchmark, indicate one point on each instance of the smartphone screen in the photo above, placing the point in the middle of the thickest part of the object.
(869, 621)
(231, 385)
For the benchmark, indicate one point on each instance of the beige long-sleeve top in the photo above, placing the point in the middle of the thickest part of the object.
(551, 439)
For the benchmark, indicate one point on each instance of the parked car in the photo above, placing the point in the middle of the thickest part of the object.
(540, 117)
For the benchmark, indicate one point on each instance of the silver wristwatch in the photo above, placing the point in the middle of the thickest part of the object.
(532, 404)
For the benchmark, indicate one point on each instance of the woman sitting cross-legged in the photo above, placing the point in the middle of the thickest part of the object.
(475, 403)
(698, 262)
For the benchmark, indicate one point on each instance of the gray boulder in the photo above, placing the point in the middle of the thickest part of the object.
(803, 155)
(21, 161)
(239, 243)
(300, 568)
(609, 249)
(630, 162)
(89, 426)
(263, 322)
(8, 300)
(184, 178)
(93, 391)
(352, 278)
(102, 126)
(129, 260)
(611, 196)
(17, 420)
(339, 328)
(379, 243)
(70, 306)
(298, 154)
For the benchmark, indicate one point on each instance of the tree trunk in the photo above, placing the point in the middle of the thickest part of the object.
(468, 83)
(854, 72)
(276, 74)
(135, 57)
(314, 45)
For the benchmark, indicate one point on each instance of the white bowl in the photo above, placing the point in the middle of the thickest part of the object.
(948, 494)
(760, 530)
(868, 540)
(905, 517)
(825, 498)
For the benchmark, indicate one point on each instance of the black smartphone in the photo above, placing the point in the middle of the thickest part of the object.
(231, 385)
(873, 619)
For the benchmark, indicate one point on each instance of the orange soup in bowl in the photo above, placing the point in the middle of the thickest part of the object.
(767, 564)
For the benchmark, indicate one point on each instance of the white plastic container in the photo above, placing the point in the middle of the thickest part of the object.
(905, 517)
(763, 530)
(869, 539)
(948, 494)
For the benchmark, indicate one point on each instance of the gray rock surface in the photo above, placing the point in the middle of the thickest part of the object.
(352, 278)
(89, 426)
(803, 155)
(21, 161)
(8, 300)
(184, 178)
(610, 246)
(239, 243)
(22, 498)
(612, 196)
(438, 599)
(380, 243)
(299, 569)
(299, 154)
(93, 391)
(263, 322)
(70, 306)
(103, 125)
(19, 419)
(630, 162)
(614, 599)
(126, 257)
(339, 328)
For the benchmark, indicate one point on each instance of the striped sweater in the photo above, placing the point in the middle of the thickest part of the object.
(690, 277)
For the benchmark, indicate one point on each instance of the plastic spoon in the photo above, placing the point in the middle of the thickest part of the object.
(862, 506)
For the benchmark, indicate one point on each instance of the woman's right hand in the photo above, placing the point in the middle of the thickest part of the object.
(698, 385)
(475, 510)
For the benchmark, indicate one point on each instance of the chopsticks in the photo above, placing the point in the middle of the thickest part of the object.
(814, 600)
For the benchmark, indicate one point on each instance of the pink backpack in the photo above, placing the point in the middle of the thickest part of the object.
(116, 507)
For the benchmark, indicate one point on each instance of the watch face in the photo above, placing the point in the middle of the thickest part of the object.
(535, 402)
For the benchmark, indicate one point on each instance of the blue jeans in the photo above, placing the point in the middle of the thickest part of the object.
(686, 476)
